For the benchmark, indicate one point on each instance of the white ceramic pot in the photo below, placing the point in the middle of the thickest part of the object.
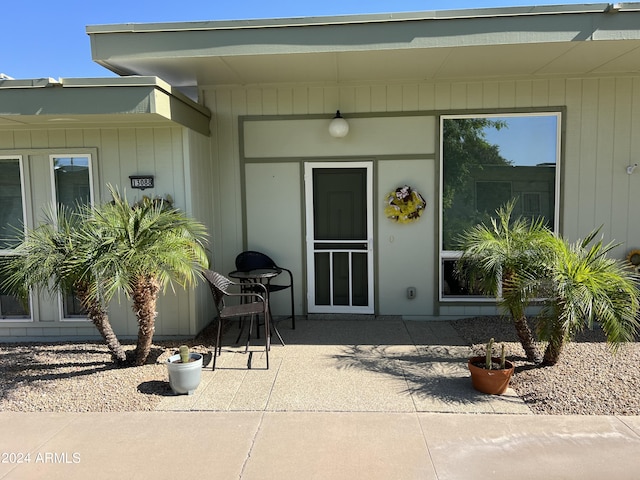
(184, 377)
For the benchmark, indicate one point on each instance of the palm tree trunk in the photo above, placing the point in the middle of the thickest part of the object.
(98, 315)
(526, 338)
(554, 347)
(145, 296)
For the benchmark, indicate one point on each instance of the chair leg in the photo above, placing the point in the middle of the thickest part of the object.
(267, 337)
(217, 348)
(293, 312)
(241, 327)
(246, 348)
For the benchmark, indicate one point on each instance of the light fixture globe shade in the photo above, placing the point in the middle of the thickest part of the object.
(338, 127)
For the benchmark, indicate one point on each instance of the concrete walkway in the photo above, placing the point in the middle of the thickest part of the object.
(353, 400)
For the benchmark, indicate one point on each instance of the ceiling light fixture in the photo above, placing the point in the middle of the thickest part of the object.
(338, 127)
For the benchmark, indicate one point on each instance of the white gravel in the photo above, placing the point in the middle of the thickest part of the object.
(79, 377)
(587, 380)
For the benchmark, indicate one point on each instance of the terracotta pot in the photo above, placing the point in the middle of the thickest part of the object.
(494, 382)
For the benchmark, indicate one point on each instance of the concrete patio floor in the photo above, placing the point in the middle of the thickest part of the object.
(382, 365)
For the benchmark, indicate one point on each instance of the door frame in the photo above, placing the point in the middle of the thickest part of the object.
(309, 167)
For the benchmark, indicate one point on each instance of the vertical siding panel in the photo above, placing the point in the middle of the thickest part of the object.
(6, 140)
(604, 164)
(148, 160)
(127, 153)
(164, 167)
(91, 138)
(75, 138)
(490, 94)
(572, 121)
(394, 98)
(316, 100)
(507, 94)
(459, 96)
(347, 96)
(378, 98)
(363, 99)
(22, 139)
(426, 97)
(557, 92)
(285, 101)
(109, 160)
(443, 96)
(300, 100)
(269, 101)
(181, 184)
(621, 158)
(39, 139)
(633, 235)
(585, 157)
(523, 94)
(57, 138)
(474, 95)
(332, 100)
(254, 101)
(540, 93)
(409, 98)
(238, 103)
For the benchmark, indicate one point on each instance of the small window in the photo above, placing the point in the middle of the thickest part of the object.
(73, 186)
(531, 204)
(11, 225)
(72, 180)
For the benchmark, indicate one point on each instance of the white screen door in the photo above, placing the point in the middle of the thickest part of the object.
(339, 237)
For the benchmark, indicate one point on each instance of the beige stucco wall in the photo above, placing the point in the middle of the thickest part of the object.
(116, 154)
(601, 137)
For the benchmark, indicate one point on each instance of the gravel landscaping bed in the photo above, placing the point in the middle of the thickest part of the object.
(588, 379)
(79, 377)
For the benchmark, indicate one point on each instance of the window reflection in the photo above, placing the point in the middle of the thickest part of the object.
(487, 161)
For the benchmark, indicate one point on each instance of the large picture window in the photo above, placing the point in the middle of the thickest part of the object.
(11, 223)
(487, 160)
(72, 186)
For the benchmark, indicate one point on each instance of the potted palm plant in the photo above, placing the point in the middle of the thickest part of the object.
(185, 371)
(498, 253)
(490, 374)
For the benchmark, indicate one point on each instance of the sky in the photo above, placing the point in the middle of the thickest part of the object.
(526, 140)
(42, 39)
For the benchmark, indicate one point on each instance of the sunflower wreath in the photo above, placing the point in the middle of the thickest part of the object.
(404, 205)
(634, 259)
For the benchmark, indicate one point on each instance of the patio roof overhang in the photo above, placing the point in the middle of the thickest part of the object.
(568, 40)
(86, 102)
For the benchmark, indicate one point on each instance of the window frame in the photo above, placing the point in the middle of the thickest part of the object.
(452, 255)
(54, 194)
(4, 252)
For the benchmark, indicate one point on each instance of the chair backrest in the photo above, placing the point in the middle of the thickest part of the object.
(219, 285)
(252, 260)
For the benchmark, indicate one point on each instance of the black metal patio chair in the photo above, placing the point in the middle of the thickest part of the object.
(252, 303)
(253, 260)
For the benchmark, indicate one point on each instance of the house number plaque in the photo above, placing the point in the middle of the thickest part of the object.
(141, 181)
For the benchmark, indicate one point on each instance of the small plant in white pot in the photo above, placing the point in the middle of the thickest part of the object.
(185, 371)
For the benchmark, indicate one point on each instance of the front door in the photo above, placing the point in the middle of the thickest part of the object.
(339, 237)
